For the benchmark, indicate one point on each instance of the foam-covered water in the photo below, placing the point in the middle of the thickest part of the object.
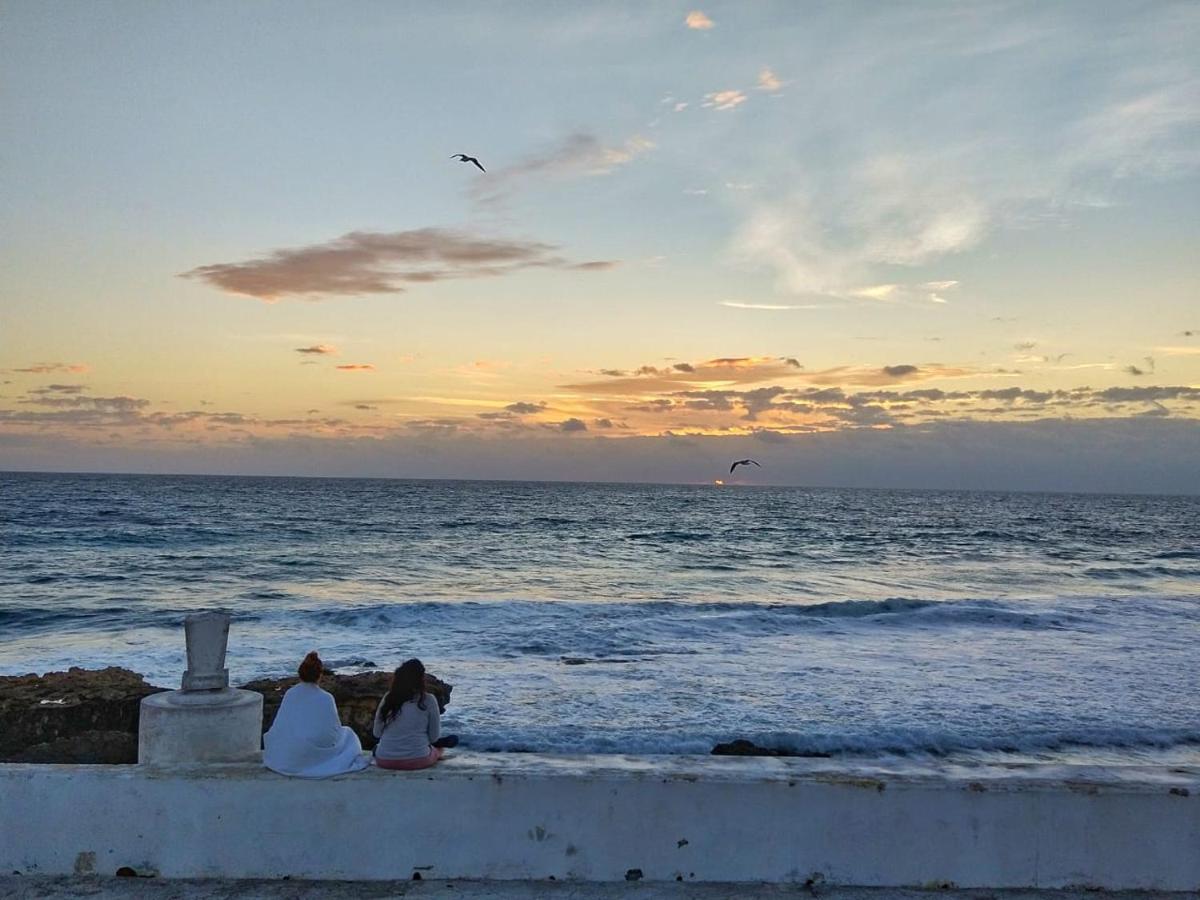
(584, 617)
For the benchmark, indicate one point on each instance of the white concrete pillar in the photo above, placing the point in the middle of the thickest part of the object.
(184, 727)
(207, 721)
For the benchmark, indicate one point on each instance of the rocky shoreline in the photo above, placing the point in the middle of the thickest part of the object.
(91, 715)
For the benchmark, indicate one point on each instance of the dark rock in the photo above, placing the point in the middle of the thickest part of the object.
(357, 697)
(91, 715)
(52, 713)
(355, 662)
(743, 747)
(87, 747)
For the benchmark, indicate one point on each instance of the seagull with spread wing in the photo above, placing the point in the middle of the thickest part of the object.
(743, 462)
(462, 157)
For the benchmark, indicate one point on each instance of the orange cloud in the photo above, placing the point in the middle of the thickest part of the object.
(698, 21)
(721, 371)
(360, 367)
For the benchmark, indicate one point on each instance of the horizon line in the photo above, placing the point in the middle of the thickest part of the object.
(565, 481)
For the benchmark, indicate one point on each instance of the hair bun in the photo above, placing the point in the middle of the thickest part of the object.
(311, 668)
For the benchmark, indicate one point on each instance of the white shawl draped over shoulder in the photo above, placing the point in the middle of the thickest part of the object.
(308, 740)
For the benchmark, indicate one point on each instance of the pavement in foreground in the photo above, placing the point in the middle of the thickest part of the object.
(39, 888)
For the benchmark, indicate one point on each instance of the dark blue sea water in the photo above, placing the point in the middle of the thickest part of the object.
(645, 618)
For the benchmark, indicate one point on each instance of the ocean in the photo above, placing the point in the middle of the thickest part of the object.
(646, 618)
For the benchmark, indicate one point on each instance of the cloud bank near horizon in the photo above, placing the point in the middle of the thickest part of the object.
(1126, 455)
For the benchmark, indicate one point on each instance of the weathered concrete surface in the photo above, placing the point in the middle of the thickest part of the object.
(26, 888)
(606, 818)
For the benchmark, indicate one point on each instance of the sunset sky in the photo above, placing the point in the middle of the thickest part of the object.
(952, 245)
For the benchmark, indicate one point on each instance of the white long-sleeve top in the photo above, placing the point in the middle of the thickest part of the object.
(410, 732)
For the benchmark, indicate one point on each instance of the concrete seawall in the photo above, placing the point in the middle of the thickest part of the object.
(610, 818)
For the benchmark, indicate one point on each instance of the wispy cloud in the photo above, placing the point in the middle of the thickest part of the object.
(884, 375)
(378, 263)
(59, 389)
(1147, 369)
(884, 192)
(521, 408)
(768, 81)
(698, 21)
(317, 349)
(95, 404)
(723, 100)
(923, 292)
(733, 304)
(357, 367)
(715, 372)
(50, 368)
(877, 292)
(579, 155)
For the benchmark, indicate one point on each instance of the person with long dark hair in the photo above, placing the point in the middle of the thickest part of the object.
(408, 722)
(307, 738)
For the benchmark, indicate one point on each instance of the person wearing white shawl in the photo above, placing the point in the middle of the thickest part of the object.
(307, 739)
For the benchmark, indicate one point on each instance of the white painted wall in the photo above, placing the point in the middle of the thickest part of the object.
(528, 816)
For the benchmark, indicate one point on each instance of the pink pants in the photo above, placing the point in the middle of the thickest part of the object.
(408, 765)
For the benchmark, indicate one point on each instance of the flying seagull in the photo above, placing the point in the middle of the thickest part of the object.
(743, 462)
(462, 157)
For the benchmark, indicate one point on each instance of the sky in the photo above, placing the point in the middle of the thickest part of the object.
(884, 245)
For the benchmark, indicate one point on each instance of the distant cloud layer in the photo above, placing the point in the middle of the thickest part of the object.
(1149, 454)
(658, 412)
(49, 368)
(379, 263)
(752, 370)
